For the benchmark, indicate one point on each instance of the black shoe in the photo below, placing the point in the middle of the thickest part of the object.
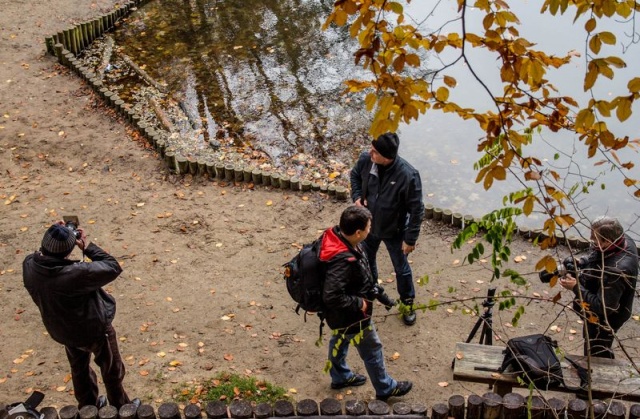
(402, 388)
(101, 402)
(136, 402)
(354, 381)
(409, 318)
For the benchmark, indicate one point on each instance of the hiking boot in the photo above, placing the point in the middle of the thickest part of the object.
(101, 402)
(409, 318)
(402, 388)
(354, 381)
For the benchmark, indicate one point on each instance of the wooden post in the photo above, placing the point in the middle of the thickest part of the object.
(378, 408)
(307, 407)
(616, 410)
(341, 193)
(401, 408)
(107, 412)
(256, 176)
(146, 411)
(491, 406)
(182, 165)
(216, 410)
(238, 173)
(275, 180)
(168, 411)
(331, 190)
(220, 170)
(457, 220)
(295, 184)
(266, 178)
(599, 409)
(282, 407)
(316, 187)
(538, 407)
(467, 219)
(447, 216)
(49, 413)
(355, 408)
(330, 407)
(69, 412)
(228, 172)
(128, 411)
(456, 406)
(439, 411)
(428, 211)
(577, 409)
(285, 182)
(240, 409)
(170, 159)
(193, 166)
(191, 411)
(48, 42)
(634, 411)
(437, 214)
(305, 185)
(513, 406)
(557, 407)
(58, 49)
(246, 174)
(263, 410)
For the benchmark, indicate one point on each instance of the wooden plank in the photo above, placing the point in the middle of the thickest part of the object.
(610, 378)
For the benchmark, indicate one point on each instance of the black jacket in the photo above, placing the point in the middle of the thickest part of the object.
(396, 203)
(75, 309)
(609, 290)
(347, 282)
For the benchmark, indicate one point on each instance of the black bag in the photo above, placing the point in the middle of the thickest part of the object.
(304, 275)
(534, 357)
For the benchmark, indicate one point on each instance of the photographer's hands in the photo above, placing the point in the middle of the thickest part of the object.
(81, 242)
(568, 282)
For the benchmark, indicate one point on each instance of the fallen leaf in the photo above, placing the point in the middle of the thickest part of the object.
(228, 357)
(293, 391)
(175, 363)
(395, 356)
(161, 354)
(443, 384)
(269, 203)
(144, 373)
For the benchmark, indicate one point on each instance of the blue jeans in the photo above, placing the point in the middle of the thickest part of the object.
(404, 276)
(370, 350)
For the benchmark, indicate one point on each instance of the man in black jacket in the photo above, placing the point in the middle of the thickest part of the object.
(392, 190)
(348, 294)
(77, 312)
(605, 288)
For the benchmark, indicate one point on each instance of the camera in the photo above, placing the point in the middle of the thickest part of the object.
(72, 223)
(566, 266)
(380, 295)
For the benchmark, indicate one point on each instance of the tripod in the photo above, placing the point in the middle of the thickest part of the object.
(486, 320)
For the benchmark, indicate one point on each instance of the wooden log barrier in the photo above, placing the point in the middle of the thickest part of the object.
(88, 412)
(240, 409)
(307, 407)
(513, 406)
(263, 411)
(306, 185)
(428, 211)
(108, 412)
(401, 408)
(216, 410)
(447, 216)
(69, 412)
(283, 408)
(456, 406)
(456, 219)
(295, 184)
(491, 406)
(275, 180)
(439, 411)
(229, 172)
(246, 174)
(182, 164)
(266, 178)
(467, 220)
(355, 408)
(577, 409)
(256, 176)
(168, 411)
(192, 411)
(437, 214)
(330, 407)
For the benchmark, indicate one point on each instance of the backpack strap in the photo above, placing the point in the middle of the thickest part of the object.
(583, 374)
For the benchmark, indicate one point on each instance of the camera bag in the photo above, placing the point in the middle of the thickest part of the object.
(534, 358)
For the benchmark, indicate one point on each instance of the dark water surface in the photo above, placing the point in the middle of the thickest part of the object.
(262, 75)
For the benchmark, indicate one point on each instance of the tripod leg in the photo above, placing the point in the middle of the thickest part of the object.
(475, 329)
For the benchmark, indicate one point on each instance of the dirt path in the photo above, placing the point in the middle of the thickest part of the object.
(201, 282)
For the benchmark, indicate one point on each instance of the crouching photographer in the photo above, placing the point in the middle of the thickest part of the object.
(76, 311)
(604, 285)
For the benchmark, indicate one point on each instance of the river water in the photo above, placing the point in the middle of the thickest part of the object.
(266, 75)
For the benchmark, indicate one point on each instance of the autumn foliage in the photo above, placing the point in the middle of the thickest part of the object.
(391, 47)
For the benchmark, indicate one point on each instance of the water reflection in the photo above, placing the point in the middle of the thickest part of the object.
(257, 74)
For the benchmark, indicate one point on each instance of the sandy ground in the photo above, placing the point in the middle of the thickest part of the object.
(202, 280)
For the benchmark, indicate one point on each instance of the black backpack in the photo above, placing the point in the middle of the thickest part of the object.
(534, 358)
(304, 275)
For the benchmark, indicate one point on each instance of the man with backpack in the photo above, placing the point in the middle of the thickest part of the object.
(605, 285)
(348, 294)
(391, 189)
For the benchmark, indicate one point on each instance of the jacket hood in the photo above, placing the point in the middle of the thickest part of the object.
(332, 245)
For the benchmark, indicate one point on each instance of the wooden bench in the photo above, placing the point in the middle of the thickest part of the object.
(610, 378)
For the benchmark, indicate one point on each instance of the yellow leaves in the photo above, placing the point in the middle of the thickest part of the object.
(634, 85)
(564, 220)
(623, 108)
(442, 94)
(548, 263)
(590, 25)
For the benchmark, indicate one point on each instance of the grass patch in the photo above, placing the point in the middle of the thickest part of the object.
(227, 387)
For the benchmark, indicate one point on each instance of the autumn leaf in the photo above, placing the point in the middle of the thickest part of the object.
(228, 357)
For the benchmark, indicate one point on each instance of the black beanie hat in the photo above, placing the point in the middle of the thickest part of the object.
(387, 145)
(58, 241)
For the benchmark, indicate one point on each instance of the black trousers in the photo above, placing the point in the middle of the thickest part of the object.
(600, 341)
(107, 358)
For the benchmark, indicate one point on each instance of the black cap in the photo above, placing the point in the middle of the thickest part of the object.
(58, 241)
(387, 145)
